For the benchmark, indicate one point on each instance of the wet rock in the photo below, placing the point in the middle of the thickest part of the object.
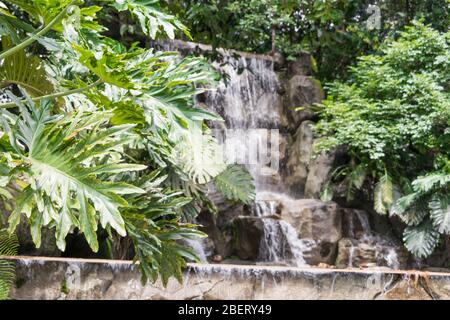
(27, 247)
(248, 232)
(373, 250)
(318, 223)
(44, 278)
(303, 91)
(299, 158)
(355, 223)
(319, 174)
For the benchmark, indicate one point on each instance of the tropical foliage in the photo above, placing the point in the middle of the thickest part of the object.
(8, 247)
(335, 32)
(96, 133)
(393, 116)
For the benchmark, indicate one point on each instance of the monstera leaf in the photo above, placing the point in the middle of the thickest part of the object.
(24, 70)
(65, 171)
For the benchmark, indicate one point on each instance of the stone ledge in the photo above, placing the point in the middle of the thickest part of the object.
(68, 278)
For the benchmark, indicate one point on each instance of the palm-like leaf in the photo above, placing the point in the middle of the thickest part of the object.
(235, 183)
(64, 174)
(431, 181)
(385, 194)
(409, 209)
(440, 213)
(8, 247)
(422, 239)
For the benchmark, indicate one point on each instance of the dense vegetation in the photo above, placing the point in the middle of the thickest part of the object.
(99, 134)
(335, 32)
(96, 134)
(393, 116)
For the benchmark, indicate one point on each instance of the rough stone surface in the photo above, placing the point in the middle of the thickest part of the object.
(361, 246)
(319, 223)
(299, 158)
(248, 232)
(27, 247)
(319, 173)
(56, 278)
(303, 91)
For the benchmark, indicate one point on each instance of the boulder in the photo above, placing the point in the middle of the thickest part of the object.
(302, 92)
(373, 250)
(318, 225)
(248, 233)
(355, 223)
(299, 158)
(319, 174)
(300, 66)
(27, 247)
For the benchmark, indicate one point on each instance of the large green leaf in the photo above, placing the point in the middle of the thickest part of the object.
(440, 213)
(385, 194)
(409, 209)
(24, 70)
(63, 171)
(235, 183)
(422, 239)
(151, 19)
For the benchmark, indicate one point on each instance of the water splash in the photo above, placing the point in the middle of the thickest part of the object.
(198, 247)
(280, 242)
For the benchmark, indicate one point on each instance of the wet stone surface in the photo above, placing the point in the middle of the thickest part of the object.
(53, 278)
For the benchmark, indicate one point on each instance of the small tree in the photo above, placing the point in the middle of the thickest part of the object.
(393, 115)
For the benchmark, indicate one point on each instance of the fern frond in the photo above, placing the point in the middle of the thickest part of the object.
(429, 182)
(421, 240)
(8, 247)
(385, 194)
(235, 183)
(409, 209)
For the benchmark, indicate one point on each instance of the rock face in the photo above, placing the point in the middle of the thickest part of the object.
(303, 91)
(67, 279)
(319, 174)
(48, 246)
(300, 153)
(319, 224)
(362, 247)
(269, 95)
(248, 233)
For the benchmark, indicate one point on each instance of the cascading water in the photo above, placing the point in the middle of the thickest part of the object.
(249, 104)
(248, 100)
(280, 243)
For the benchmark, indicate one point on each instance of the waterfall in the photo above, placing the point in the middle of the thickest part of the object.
(198, 247)
(280, 243)
(252, 110)
(247, 99)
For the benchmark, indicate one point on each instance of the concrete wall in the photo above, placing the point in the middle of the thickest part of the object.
(58, 278)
